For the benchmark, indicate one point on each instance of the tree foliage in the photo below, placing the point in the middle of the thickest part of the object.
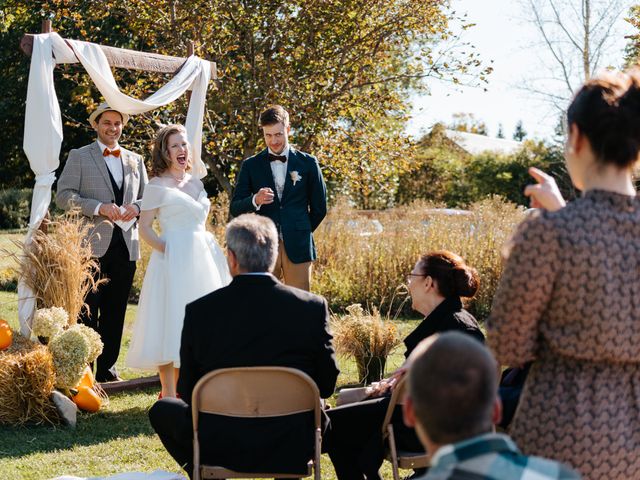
(632, 51)
(519, 133)
(450, 176)
(467, 122)
(343, 68)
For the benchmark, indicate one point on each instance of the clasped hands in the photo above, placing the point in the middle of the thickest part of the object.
(113, 213)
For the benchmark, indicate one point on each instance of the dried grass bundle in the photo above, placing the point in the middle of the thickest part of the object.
(26, 382)
(58, 265)
(366, 337)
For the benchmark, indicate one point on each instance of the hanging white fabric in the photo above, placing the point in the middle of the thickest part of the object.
(43, 122)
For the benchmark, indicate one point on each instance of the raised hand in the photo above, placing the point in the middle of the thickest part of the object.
(264, 196)
(544, 194)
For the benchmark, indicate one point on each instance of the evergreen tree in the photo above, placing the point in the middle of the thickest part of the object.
(519, 133)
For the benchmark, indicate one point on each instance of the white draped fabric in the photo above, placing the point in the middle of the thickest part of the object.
(43, 122)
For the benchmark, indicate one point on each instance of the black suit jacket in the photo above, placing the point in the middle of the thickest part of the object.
(303, 204)
(257, 321)
(449, 315)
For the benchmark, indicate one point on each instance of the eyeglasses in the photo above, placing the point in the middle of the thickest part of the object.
(411, 275)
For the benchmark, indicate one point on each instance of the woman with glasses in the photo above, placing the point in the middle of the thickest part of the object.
(354, 442)
(569, 297)
(436, 283)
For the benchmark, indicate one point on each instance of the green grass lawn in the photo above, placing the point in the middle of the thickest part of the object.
(119, 437)
(7, 239)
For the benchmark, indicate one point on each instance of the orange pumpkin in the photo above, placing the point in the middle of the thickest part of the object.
(87, 399)
(87, 379)
(6, 335)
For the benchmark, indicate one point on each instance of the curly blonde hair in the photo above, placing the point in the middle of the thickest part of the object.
(160, 161)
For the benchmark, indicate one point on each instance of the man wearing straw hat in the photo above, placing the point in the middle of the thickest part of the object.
(106, 183)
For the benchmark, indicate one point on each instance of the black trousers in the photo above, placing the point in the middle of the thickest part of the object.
(354, 441)
(241, 444)
(171, 419)
(108, 305)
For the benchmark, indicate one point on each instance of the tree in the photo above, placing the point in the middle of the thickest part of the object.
(500, 133)
(632, 51)
(519, 133)
(440, 176)
(344, 69)
(576, 35)
(76, 94)
(450, 176)
(467, 122)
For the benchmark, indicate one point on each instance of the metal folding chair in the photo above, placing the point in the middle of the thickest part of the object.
(254, 392)
(400, 458)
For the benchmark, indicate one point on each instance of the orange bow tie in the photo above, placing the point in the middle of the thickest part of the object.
(107, 152)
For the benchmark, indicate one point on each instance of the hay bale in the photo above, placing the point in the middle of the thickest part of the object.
(26, 381)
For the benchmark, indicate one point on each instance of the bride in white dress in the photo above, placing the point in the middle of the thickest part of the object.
(186, 262)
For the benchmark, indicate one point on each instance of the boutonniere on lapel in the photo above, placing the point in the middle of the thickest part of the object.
(295, 177)
(131, 161)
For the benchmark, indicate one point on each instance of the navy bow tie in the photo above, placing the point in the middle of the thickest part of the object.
(277, 158)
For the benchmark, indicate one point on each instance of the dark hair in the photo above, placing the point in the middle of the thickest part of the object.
(274, 114)
(453, 277)
(453, 383)
(159, 157)
(607, 110)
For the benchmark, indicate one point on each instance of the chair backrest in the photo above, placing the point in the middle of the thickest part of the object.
(252, 392)
(397, 398)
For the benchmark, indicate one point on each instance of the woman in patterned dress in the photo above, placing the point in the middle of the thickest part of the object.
(569, 297)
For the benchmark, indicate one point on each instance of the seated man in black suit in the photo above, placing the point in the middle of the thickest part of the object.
(254, 321)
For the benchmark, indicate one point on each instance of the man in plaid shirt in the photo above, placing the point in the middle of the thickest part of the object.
(453, 404)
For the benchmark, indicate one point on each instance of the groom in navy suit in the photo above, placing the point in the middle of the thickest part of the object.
(285, 185)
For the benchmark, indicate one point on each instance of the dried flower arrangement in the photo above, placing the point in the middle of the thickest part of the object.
(366, 337)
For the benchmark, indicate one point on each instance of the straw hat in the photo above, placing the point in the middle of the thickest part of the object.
(103, 107)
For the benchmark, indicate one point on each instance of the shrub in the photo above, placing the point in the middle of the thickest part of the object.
(450, 176)
(8, 280)
(15, 207)
(507, 175)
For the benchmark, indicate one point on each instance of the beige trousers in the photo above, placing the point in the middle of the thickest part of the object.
(293, 274)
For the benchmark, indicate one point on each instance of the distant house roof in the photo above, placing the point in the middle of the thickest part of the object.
(474, 144)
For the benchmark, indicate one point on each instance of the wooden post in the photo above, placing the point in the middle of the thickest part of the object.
(191, 48)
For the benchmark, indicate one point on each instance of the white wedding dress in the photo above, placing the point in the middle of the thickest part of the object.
(192, 266)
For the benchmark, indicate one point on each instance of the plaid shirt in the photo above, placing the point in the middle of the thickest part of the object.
(492, 457)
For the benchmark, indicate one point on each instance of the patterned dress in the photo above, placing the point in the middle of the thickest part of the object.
(569, 299)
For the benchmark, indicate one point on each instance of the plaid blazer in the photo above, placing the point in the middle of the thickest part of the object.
(84, 183)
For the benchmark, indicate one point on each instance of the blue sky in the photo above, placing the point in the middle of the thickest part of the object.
(501, 34)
